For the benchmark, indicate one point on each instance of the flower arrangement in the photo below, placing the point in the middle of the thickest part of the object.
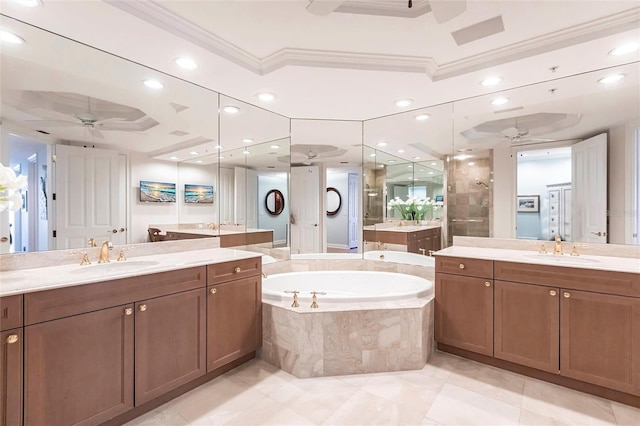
(10, 198)
(413, 208)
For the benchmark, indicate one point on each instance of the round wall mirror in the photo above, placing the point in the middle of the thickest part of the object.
(334, 201)
(274, 202)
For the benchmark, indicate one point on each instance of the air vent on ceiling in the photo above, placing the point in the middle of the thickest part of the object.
(477, 31)
(178, 107)
(178, 133)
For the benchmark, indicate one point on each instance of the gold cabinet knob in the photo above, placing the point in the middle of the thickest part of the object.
(213, 291)
(128, 311)
(237, 269)
(142, 308)
(461, 266)
(552, 292)
(12, 338)
(487, 284)
(566, 294)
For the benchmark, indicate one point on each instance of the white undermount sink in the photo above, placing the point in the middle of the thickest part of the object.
(556, 258)
(114, 267)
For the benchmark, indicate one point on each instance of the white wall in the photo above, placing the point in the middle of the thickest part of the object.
(504, 185)
(267, 182)
(194, 174)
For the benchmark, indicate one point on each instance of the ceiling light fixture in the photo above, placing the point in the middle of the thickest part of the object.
(247, 140)
(199, 161)
(401, 151)
(246, 152)
(491, 81)
(624, 49)
(219, 147)
(392, 161)
(10, 38)
(373, 154)
(173, 158)
(416, 158)
(153, 84)
(432, 164)
(430, 173)
(382, 144)
(275, 146)
(28, 3)
(613, 78)
(220, 157)
(471, 163)
(422, 117)
(499, 101)
(186, 63)
(230, 109)
(266, 96)
(194, 153)
(403, 102)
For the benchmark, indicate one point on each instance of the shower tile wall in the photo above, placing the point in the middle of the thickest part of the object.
(469, 205)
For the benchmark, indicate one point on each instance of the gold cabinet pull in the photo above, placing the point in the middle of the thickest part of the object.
(213, 291)
(128, 311)
(142, 308)
(487, 284)
(12, 338)
(552, 292)
(461, 266)
(566, 294)
(237, 269)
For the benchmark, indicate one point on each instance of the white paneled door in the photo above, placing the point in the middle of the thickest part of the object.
(88, 183)
(305, 210)
(589, 193)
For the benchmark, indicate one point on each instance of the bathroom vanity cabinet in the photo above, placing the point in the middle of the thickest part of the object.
(109, 351)
(420, 241)
(580, 325)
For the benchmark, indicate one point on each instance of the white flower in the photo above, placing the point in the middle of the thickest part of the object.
(9, 184)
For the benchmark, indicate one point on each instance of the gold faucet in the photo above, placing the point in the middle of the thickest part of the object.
(574, 252)
(85, 257)
(557, 247)
(212, 226)
(295, 303)
(92, 242)
(381, 245)
(314, 298)
(543, 249)
(104, 252)
(400, 223)
(423, 251)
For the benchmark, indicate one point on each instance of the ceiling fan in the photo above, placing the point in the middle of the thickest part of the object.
(518, 136)
(442, 10)
(86, 119)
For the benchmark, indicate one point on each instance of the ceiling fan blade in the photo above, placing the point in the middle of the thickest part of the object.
(445, 10)
(95, 132)
(110, 120)
(53, 123)
(323, 7)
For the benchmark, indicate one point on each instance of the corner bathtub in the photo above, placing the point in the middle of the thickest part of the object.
(347, 286)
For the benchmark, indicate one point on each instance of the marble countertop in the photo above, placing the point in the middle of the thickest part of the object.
(38, 279)
(404, 228)
(603, 263)
(217, 232)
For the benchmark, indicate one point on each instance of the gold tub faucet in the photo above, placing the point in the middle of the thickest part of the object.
(314, 298)
(295, 303)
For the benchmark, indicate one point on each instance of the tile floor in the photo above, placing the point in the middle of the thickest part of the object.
(447, 391)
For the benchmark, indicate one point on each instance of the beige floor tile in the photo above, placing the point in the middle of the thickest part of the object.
(458, 406)
(357, 380)
(367, 409)
(566, 405)
(215, 402)
(527, 418)
(440, 364)
(159, 417)
(626, 415)
(268, 412)
(488, 381)
(430, 422)
(260, 376)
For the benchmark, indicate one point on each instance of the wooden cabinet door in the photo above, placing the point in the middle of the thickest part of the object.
(527, 323)
(464, 312)
(600, 339)
(170, 343)
(234, 320)
(79, 370)
(11, 377)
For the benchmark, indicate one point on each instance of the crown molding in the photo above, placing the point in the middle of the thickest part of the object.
(153, 13)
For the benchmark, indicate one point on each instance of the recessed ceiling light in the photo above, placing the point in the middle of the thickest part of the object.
(416, 158)
(392, 161)
(230, 109)
(199, 161)
(422, 117)
(401, 151)
(173, 158)
(219, 147)
(464, 149)
(266, 96)
(194, 153)
(430, 173)
(624, 49)
(28, 3)
(153, 84)
(221, 157)
(382, 144)
(491, 81)
(373, 154)
(275, 146)
(410, 166)
(461, 157)
(247, 140)
(613, 78)
(403, 102)
(186, 63)
(432, 164)
(471, 163)
(246, 152)
(499, 101)
(10, 38)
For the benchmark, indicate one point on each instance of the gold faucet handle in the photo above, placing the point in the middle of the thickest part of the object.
(92, 242)
(423, 251)
(574, 251)
(431, 252)
(543, 249)
(85, 257)
(295, 303)
(121, 256)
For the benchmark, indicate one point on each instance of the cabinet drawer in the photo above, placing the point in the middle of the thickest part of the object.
(10, 312)
(63, 302)
(610, 282)
(232, 270)
(465, 266)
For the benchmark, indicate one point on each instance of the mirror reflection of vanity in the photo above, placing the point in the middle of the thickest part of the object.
(152, 135)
